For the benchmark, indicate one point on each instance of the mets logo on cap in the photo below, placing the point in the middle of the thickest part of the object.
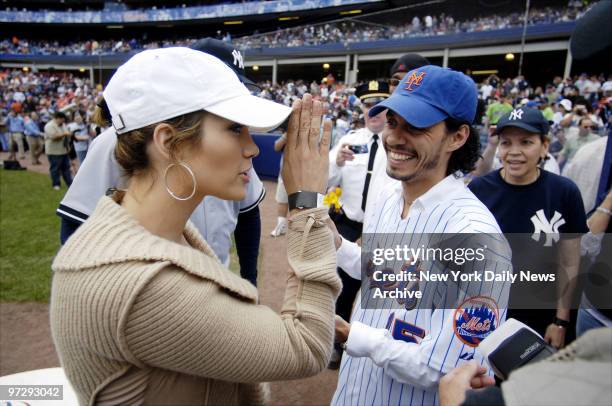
(414, 80)
(475, 319)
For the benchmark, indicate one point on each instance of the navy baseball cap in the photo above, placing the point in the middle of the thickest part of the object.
(231, 56)
(430, 94)
(407, 63)
(531, 120)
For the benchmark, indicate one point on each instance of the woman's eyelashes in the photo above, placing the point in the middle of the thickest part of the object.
(236, 128)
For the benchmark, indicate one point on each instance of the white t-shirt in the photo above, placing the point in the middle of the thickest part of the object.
(486, 91)
(215, 218)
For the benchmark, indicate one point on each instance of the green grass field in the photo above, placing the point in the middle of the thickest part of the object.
(29, 235)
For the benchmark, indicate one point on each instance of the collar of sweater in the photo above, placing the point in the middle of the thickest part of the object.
(111, 236)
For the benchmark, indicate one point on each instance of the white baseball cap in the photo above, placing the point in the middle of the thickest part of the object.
(159, 84)
(566, 103)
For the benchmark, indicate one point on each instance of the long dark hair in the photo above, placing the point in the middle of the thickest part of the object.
(464, 159)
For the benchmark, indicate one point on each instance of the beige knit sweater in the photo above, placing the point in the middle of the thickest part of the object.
(137, 319)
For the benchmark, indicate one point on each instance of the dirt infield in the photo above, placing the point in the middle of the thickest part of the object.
(25, 336)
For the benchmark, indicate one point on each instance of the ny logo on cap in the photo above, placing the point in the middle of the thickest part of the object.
(517, 114)
(373, 85)
(238, 58)
(415, 79)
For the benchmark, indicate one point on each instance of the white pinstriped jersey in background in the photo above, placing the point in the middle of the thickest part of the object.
(378, 369)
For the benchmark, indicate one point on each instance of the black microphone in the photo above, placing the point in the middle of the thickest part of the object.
(513, 345)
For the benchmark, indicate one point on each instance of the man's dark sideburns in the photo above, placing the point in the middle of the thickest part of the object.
(464, 159)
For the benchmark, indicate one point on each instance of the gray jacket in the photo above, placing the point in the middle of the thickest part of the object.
(580, 374)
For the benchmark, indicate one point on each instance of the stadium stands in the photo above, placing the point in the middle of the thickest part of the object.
(170, 14)
(336, 35)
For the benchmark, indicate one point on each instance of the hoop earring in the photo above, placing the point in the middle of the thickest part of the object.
(542, 160)
(170, 192)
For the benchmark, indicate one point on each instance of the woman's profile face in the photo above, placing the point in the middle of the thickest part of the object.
(222, 158)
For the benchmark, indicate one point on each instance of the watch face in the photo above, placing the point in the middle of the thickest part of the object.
(303, 200)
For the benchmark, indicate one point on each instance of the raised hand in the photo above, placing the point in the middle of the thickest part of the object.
(306, 160)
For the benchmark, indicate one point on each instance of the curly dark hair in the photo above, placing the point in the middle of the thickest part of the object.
(464, 159)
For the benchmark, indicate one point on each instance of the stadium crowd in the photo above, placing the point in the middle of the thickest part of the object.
(117, 12)
(557, 99)
(345, 31)
(32, 99)
(47, 113)
(111, 6)
(353, 31)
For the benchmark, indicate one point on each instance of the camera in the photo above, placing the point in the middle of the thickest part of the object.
(359, 149)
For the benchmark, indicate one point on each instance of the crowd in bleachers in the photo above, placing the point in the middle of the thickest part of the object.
(345, 32)
(353, 31)
(45, 93)
(112, 5)
(593, 92)
(563, 101)
(33, 103)
(16, 45)
(117, 13)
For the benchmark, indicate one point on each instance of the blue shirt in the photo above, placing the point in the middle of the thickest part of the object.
(32, 129)
(15, 124)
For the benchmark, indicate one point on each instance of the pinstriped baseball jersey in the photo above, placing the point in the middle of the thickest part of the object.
(396, 356)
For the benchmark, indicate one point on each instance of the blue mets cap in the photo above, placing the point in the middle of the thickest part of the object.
(530, 120)
(430, 94)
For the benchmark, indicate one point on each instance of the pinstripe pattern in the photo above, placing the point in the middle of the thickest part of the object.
(449, 207)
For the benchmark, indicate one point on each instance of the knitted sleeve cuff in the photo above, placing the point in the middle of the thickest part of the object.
(310, 248)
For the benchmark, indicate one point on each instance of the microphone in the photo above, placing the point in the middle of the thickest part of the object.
(513, 345)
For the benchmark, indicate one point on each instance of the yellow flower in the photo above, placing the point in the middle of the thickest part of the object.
(332, 199)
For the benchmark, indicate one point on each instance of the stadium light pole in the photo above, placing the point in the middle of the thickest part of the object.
(525, 20)
(347, 69)
(275, 72)
(100, 68)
